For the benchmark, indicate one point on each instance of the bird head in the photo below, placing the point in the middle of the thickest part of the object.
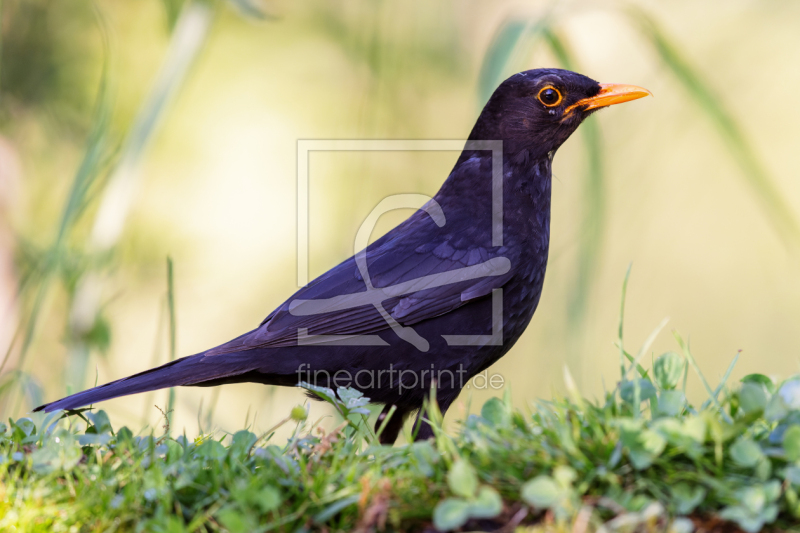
(535, 111)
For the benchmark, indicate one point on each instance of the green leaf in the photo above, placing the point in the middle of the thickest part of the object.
(564, 476)
(791, 443)
(792, 475)
(790, 393)
(211, 449)
(267, 499)
(772, 490)
(542, 492)
(644, 445)
(793, 502)
(776, 409)
(353, 400)
(671, 402)
(451, 513)
(746, 452)
(235, 521)
(763, 470)
(749, 521)
(628, 390)
(753, 499)
(334, 508)
(652, 441)
(760, 379)
(694, 428)
(641, 459)
(241, 443)
(495, 412)
(687, 497)
(124, 435)
(59, 452)
(668, 370)
(752, 397)
(648, 446)
(25, 426)
(487, 504)
(787, 399)
(425, 457)
(93, 439)
(48, 424)
(324, 393)
(686, 434)
(462, 479)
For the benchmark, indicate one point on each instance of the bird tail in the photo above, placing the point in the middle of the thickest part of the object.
(192, 370)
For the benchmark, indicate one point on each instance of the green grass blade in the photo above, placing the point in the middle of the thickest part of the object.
(631, 359)
(172, 326)
(89, 170)
(621, 322)
(155, 358)
(592, 226)
(513, 39)
(724, 380)
(646, 346)
(712, 397)
(187, 40)
(118, 193)
(572, 388)
(496, 59)
(250, 8)
(385, 422)
(728, 129)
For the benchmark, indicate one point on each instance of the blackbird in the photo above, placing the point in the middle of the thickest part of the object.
(436, 300)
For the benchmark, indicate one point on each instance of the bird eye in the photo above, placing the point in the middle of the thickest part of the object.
(550, 96)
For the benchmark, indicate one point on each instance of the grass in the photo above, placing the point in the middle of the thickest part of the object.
(104, 185)
(512, 44)
(641, 458)
(100, 196)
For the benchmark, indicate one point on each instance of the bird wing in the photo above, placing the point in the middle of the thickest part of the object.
(417, 272)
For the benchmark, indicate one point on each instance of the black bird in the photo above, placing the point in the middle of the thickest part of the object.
(436, 300)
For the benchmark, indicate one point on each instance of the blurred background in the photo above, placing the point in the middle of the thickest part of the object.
(134, 132)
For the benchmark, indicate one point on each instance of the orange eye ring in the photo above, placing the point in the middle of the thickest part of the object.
(549, 96)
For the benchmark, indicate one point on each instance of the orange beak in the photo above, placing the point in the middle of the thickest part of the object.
(610, 94)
